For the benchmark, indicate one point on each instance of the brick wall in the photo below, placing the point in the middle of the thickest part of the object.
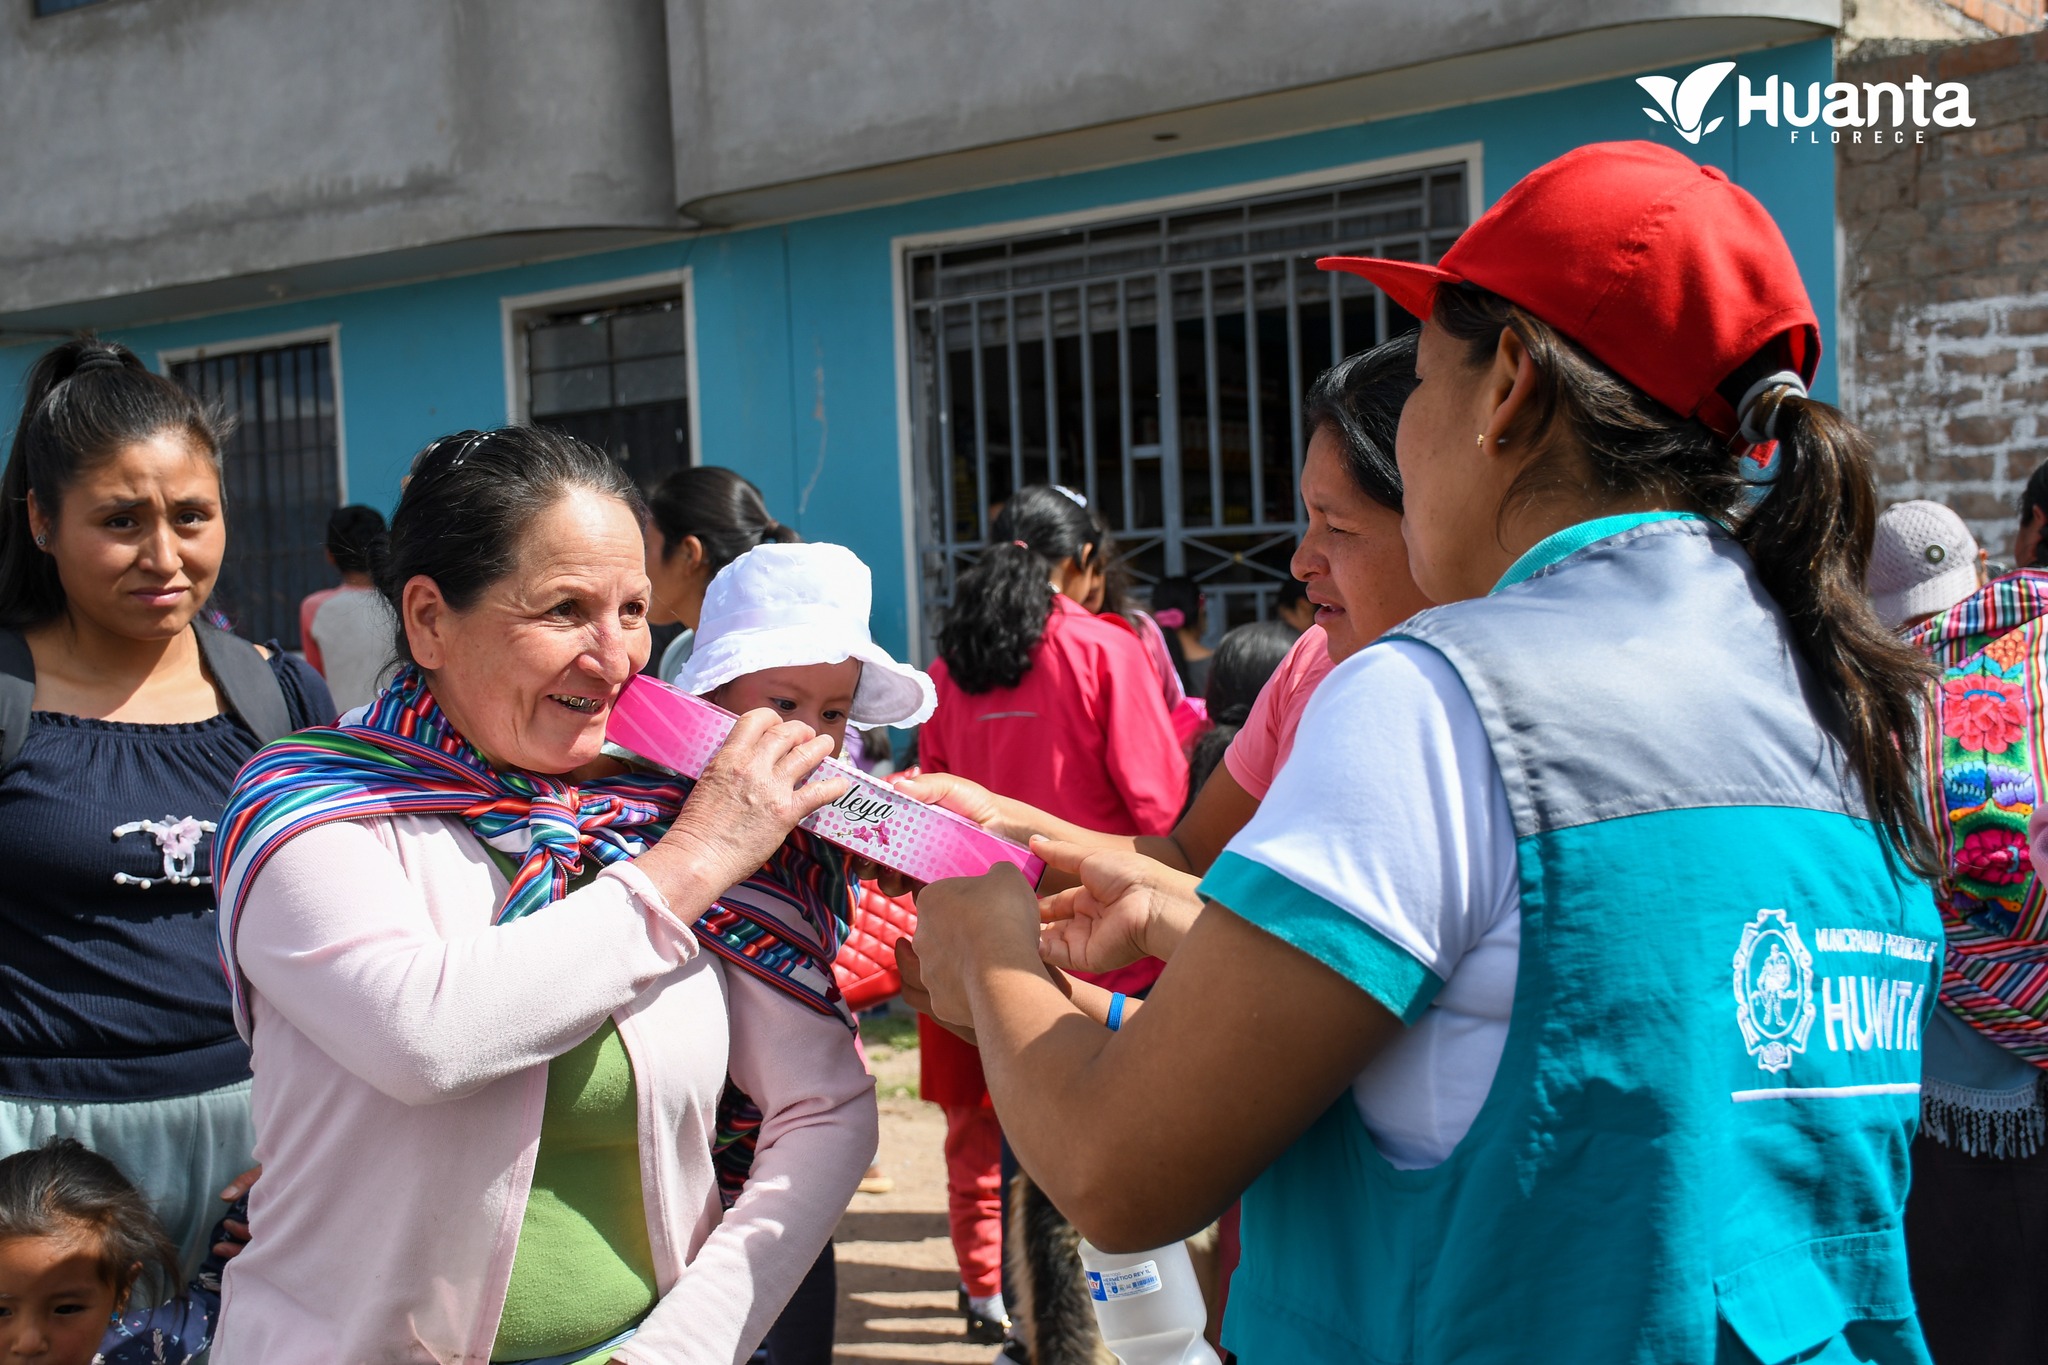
(1944, 286)
(2002, 16)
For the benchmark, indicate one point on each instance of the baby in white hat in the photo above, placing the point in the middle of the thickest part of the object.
(785, 627)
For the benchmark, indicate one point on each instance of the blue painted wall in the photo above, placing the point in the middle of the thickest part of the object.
(796, 323)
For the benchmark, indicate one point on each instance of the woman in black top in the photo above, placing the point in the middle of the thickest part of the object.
(114, 1022)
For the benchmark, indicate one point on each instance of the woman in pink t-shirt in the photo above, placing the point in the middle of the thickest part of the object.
(1356, 568)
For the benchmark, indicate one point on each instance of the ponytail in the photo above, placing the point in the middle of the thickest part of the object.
(1808, 536)
(1001, 603)
(357, 538)
(997, 618)
(81, 403)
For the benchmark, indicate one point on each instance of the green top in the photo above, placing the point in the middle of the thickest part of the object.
(584, 1269)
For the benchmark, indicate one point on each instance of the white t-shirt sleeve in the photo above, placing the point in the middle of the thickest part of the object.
(1385, 848)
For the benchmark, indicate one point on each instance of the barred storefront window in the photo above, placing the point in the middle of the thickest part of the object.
(1156, 364)
(281, 472)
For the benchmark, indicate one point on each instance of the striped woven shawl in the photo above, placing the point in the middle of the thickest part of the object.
(1984, 756)
(783, 925)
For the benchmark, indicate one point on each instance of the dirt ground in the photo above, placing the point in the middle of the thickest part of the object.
(897, 1278)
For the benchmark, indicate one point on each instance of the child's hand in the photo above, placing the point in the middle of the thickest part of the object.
(887, 880)
(237, 1228)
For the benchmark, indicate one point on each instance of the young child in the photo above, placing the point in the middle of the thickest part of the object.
(785, 628)
(76, 1242)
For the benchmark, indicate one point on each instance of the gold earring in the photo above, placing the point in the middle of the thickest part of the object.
(1482, 438)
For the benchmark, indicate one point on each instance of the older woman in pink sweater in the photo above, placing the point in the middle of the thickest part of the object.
(513, 1101)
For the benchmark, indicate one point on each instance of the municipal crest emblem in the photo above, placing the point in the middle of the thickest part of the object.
(1773, 990)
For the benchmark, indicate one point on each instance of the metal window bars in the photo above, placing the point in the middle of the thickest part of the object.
(617, 376)
(281, 475)
(1156, 364)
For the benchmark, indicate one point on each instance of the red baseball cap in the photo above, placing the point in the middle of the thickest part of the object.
(1660, 268)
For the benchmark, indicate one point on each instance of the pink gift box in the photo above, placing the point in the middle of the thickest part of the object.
(657, 724)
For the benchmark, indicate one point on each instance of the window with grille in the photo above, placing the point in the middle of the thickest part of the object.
(1157, 365)
(616, 376)
(281, 472)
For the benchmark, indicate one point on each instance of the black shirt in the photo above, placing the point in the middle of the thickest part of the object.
(110, 979)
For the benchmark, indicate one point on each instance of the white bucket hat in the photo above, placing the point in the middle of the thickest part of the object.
(1923, 559)
(787, 606)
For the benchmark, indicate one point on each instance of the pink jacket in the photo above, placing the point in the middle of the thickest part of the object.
(401, 1046)
(1084, 734)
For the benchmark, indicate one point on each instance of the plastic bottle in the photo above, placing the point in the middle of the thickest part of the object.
(1149, 1305)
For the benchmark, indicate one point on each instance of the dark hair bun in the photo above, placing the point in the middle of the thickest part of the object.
(356, 537)
(720, 508)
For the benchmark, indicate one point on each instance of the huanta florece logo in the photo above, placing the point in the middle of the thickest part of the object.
(1685, 102)
(1682, 106)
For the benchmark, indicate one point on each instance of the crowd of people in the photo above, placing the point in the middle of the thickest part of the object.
(1386, 946)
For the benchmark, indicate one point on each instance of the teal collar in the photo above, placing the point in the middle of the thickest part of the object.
(1572, 539)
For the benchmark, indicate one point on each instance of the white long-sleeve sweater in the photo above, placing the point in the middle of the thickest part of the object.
(401, 1044)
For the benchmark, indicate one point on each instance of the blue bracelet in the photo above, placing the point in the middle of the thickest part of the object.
(1116, 1011)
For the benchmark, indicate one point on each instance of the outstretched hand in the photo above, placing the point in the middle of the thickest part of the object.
(1127, 906)
(998, 815)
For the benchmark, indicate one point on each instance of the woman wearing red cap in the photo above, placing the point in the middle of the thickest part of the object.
(1563, 1000)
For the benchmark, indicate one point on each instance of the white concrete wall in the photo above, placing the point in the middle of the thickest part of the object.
(167, 158)
(146, 143)
(828, 88)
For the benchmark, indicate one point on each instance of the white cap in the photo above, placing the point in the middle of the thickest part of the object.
(787, 606)
(1923, 560)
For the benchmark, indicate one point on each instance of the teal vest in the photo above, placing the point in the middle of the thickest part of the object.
(1695, 1147)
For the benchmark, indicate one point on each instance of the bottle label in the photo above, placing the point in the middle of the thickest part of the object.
(1107, 1286)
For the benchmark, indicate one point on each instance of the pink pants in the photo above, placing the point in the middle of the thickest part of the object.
(974, 1204)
